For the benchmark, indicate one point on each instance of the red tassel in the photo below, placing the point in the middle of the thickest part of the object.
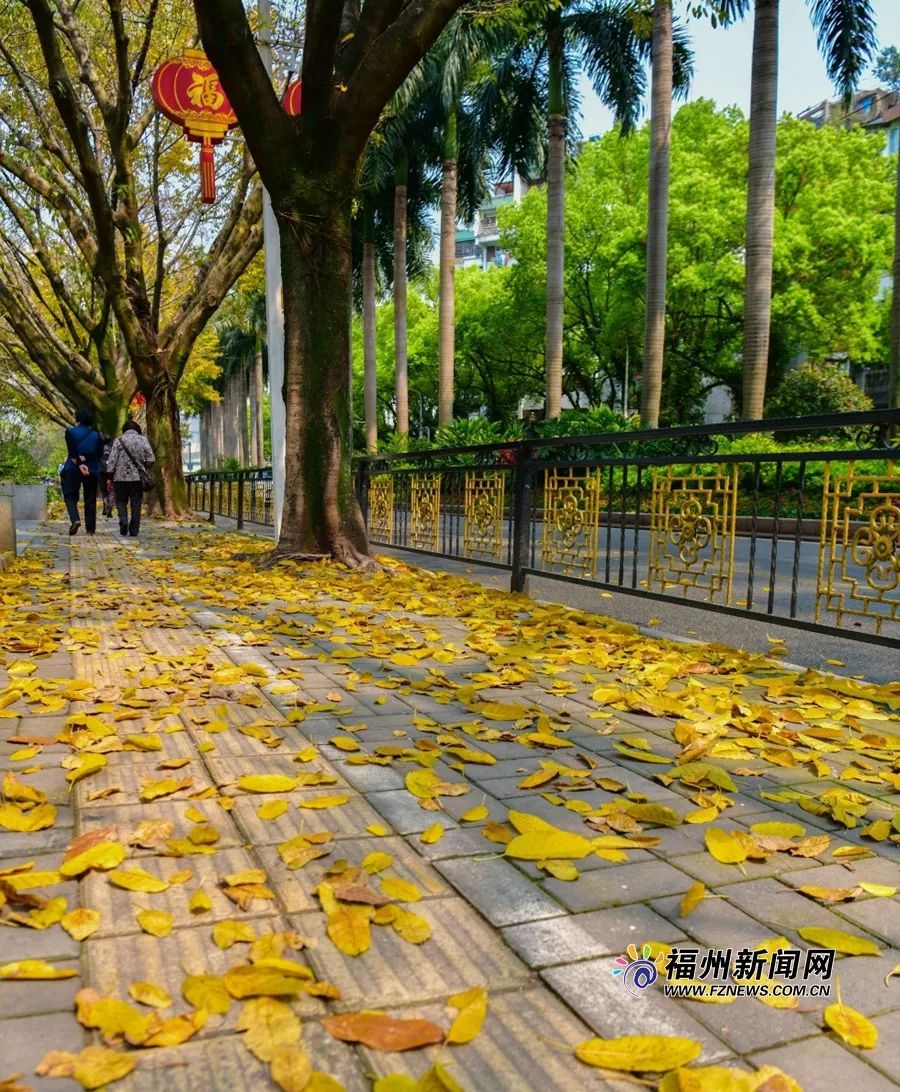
(207, 173)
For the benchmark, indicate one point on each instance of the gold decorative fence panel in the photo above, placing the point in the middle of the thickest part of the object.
(572, 502)
(381, 507)
(692, 530)
(483, 529)
(425, 496)
(859, 547)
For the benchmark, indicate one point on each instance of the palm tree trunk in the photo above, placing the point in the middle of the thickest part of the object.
(556, 211)
(370, 375)
(400, 360)
(255, 459)
(244, 390)
(760, 207)
(894, 363)
(447, 290)
(259, 418)
(657, 214)
(204, 437)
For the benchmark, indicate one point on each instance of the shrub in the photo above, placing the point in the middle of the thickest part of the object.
(815, 389)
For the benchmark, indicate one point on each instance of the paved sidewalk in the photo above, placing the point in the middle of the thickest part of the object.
(430, 720)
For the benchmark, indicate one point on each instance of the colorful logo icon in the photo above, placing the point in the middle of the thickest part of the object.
(637, 970)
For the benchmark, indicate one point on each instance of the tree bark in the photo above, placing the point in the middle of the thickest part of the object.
(657, 214)
(370, 373)
(321, 514)
(447, 290)
(401, 366)
(164, 434)
(243, 389)
(556, 211)
(218, 435)
(760, 208)
(259, 418)
(894, 362)
(255, 459)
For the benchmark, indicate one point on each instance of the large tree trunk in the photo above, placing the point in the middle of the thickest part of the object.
(370, 360)
(218, 434)
(894, 374)
(400, 296)
(447, 290)
(760, 207)
(321, 514)
(556, 211)
(164, 434)
(657, 214)
(259, 417)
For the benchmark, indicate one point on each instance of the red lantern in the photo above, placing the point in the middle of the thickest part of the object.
(187, 90)
(293, 98)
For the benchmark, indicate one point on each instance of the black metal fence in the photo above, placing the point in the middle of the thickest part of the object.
(243, 495)
(797, 522)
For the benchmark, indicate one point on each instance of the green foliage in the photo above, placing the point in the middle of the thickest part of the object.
(471, 431)
(887, 68)
(586, 422)
(816, 389)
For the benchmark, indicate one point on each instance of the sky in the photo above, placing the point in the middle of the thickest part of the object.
(722, 62)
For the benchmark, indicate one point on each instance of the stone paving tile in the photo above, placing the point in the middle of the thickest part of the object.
(463, 951)
(347, 821)
(870, 870)
(819, 1062)
(885, 1056)
(227, 770)
(118, 908)
(863, 985)
(793, 870)
(510, 1054)
(610, 1010)
(619, 886)
(127, 781)
(295, 888)
(25, 1041)
(575, 937)
(715, 923)
(125, 817)
(501, 893)
(457, 842)
(403, 813)
(746, 1024)
(36, 998)
(780, 906)
(878, 916)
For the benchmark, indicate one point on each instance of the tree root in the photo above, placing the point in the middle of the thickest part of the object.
(343, 552)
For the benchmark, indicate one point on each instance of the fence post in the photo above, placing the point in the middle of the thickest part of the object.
(240, 502)
(212, 499)
(521, 526)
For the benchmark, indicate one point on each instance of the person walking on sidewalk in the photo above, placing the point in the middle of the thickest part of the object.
(81, 471)
(129, 462)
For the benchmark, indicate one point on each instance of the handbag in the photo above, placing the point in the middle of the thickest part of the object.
(144, 475)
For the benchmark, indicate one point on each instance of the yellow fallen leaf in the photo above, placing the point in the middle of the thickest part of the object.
(433, 834)
(475, 815)
(272, 809)
(290, 1068)
(147, 994)
(349, 930)
(94, 1067)
(851, 1026)
(137, 879)
(80, 924)
(724, 846)
(158, 923)
(105, 856)
(206, 991)
(377, 830)
(34, 970)
(401, 890)
(638, 1053)
(692, 898)
(472, 1006)
(269, 1024)
(553, 844)
(846, 943)
(881, 890)
(376, 862)
(199, 903)
(267, 783)
(324, 802)
(15, 819)
(226, 933)
(176, 1030)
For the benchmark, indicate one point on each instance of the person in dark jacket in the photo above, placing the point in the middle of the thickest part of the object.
(129, 457)
(81, 471)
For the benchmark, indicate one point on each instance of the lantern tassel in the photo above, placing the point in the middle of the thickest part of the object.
(207, 173)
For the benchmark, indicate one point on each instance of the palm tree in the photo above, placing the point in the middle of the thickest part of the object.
(603, 41)
(845, 31)
(369, 306)
(662, 55)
